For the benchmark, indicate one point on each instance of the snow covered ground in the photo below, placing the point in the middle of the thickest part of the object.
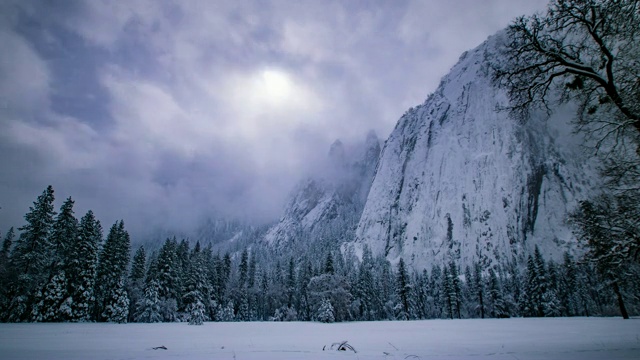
(549, 338)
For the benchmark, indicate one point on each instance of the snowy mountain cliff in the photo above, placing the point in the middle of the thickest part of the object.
(460, 179)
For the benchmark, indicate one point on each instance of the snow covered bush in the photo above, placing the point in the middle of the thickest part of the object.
(196, 313)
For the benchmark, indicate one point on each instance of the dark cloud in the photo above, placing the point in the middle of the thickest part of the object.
(163, 113)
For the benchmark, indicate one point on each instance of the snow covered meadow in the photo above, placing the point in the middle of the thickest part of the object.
(518, 338)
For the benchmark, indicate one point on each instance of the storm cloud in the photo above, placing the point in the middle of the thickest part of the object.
(164, 113)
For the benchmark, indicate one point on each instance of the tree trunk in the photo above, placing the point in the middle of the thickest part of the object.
(623, 309)
(586, 308)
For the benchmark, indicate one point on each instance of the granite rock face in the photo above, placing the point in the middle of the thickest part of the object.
(460, 179)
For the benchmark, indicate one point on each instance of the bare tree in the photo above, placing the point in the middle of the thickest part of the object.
(589, 50)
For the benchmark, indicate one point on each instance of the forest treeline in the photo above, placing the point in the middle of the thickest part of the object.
(63, 270)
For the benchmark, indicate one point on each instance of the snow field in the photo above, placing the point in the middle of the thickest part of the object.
(522, 339)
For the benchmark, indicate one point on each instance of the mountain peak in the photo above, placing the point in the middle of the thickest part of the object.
(337, 152)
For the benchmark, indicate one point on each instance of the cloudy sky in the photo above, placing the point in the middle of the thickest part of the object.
(165, 112)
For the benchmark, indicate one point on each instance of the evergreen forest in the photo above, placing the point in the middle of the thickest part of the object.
(56, 268)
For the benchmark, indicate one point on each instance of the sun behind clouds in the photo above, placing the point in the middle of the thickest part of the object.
(275, 86)
(264, 101)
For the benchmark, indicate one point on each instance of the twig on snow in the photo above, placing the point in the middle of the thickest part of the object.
(342, 346)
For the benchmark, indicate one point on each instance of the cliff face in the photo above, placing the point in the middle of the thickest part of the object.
(460, 179)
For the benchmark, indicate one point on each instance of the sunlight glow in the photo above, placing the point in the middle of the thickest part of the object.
(276, 86)
(265, 102)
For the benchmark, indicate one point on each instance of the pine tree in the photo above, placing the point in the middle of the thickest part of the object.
(568, 286)
(291, 284)
(196, 312)
(197, 289)
(117, 309)
(478, 287)
(252, 289)
(4, 254)
(168, 273)
(435, 284)
(169, 279)
(136, 285)
(445, 292)
(243, 268)
(467, 294)
(497, 306)
(276, 298)
(422, 300)
(32, 256)
(226, 313)
(112, 270)
(541, 270)
(6, 275)
(306, 274)
(207, 257)
(448, 292)
(386, 280)
(526, 301)
(223, 274)
(454, 292)
(535, 286)
(403, 290)
(328, 265)
(252, 272)
(182, 269)
(83, 268)
(57, 291)
(138, 266)
(551, 301)
(243, 306)
(512, 287)
(63, 237)
(586, 303)
(148, 307)
(334, 288)
(152, 269)
(364, 288)
(325, 312)
(49, 308)
(214, 278)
